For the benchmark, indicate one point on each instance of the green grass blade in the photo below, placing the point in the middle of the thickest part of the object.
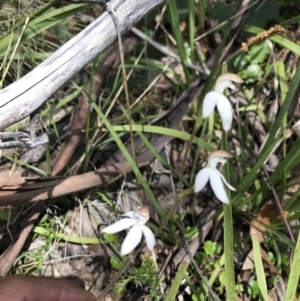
(164, 131)
(287, 164)
(294, 274)
(247, 180)
(174, 20)
(176, 282)
(284, 108)
(38, 25)
(70, 238)
(260, 273)
(201, 11)
(130, 160)
(191, 18)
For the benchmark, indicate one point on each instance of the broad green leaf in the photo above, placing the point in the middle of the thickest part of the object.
(221, 11)
(257, 54)
(115, 262)
(211, 248)
(265, 11)
(251, 74)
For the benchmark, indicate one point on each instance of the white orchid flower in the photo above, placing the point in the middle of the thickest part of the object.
(136, 220)
(217, 98)
(211, 173)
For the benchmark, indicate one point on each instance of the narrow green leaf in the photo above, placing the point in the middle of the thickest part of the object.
(247, 180)
(164, 131)
(228, 235)
(284, 108)
(174, 20)
(259, 268)
(294, 275)
(176, 282)
(70, 238)
(38, 25)
(130, 160)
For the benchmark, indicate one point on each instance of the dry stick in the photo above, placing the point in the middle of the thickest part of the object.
(235, 26)
(8, 119)
(166, 50)
(78, 123)
(34, 214)
(271, 186)
(166, 262)
(181, 229)
(116, 22)
(21, 98)
(9, 257)
(74, 135)
(41, 189)
(12, 192)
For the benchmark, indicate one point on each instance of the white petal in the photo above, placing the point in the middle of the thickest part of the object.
(226, 183)
(217, 187)
(149, 236)
(119, 226)
(132, 239)
(225, 111)
(202, 179)
(209, 103)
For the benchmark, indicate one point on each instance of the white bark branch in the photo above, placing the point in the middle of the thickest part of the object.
(21, 98)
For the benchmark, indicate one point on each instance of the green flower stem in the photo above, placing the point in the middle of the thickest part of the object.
(228, 236)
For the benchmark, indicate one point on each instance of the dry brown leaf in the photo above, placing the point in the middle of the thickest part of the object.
(249, 261)
(244, 276)
(266, 215)
(267, 261)
(272, 295)
(183, 26)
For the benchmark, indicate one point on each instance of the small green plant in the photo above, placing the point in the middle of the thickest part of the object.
(250, 63)
(145, 276)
